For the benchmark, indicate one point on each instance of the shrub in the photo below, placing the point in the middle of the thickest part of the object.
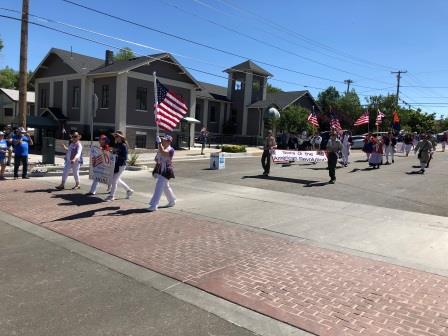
(234, 148)
(133, 158)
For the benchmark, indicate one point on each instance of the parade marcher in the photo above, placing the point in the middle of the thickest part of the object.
(317, 140)
(203, 137)
(407, 143)
(269, 145)
(334, 146)
(433, 142)
(163, 172)
(3, 153)
(21, 142)
(121, 151)
(346, 145)
(423, 148)
(368, 146)
(376, 157)
(73, 160)
(389, 147)
(444, 140)
(103, 143)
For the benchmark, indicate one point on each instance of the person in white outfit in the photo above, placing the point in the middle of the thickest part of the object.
(73, 160)
(121, 152)
(346, 145)
(163, 172)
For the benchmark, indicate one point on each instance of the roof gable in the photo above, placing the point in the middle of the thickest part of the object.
(60, 62)
(249, 66)
(279, 99)
(13, 95)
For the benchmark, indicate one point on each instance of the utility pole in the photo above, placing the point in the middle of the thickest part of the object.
(23, 71)
(399, 72)
(348, 82)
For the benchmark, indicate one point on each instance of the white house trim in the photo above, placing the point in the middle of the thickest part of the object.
(121, 102)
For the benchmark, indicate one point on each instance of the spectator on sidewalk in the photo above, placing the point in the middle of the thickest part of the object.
(163, 172)
(334, 146)
(73, 160)
(103, 144)
(121, 151)
(203, 138)
(21, 142)
(8, 137)
(3, 153)
(269, 146)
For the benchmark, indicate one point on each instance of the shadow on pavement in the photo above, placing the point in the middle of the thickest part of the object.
(282, 179)
(127, 212)
(78, 199)
(86, 214)
(361, 169)
(48, 190)
(415, 172)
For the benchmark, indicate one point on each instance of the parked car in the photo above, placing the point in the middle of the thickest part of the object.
(358, 141)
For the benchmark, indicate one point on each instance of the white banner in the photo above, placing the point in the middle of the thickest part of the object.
(102, 164)
(280, 156)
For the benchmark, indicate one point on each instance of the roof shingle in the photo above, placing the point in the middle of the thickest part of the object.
(249, 66)
(279, 99)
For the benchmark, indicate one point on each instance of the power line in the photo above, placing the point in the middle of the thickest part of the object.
(203, 44)
(399, 72)
(137, 44)
(300, 36)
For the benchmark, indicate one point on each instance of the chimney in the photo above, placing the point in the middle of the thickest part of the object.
(109, 58)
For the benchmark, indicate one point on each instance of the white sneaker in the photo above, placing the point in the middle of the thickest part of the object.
(129, 193)
(151, 209)
(171, 204)
(109, 199)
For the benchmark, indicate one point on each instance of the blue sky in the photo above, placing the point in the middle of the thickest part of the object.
(371, 38)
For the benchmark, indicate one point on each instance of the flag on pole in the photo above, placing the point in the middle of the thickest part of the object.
(396, 117)
(312, 118)
(379, 118)
(363, 119)
(170, 108)
(334, 122)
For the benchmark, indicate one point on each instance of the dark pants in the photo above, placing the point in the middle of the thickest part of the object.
(17, 161)
(332, 161)
(266, 161)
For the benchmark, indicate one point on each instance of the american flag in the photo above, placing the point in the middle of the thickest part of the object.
(363, 119)
(379, 118)
(312, 118)
(170, 108)
(334, 123)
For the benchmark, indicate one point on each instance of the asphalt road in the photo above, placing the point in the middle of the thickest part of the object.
(394, 186)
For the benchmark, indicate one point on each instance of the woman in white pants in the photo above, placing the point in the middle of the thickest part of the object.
(73, 160)
(163, 172)
(121, 152)
(346, 145)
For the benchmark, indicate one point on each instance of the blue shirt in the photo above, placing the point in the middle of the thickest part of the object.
(3, 149)
(21, 149)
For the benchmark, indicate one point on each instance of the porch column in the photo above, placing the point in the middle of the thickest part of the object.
(64, 96)
(222, 111)
(205, 114)
(121, 102)
(247, 101)
(192, 115)
(51, 100)
(82, 105)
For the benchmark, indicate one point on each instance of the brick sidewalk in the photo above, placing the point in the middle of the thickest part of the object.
(318, 290)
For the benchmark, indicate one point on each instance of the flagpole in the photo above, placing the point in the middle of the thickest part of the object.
(156, 104)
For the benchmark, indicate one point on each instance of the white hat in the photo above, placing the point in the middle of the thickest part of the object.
(22, 130)
(1, 133)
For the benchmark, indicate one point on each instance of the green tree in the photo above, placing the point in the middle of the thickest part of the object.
(328, 99)
(1, 44)
(9, 78)
(294, 119)
(124, 54)
(273, 89)
(350, 105)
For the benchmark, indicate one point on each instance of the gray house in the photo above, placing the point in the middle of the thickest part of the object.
(66, 81)
(9, 105)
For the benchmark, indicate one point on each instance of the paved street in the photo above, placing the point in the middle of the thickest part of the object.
(323, 259)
